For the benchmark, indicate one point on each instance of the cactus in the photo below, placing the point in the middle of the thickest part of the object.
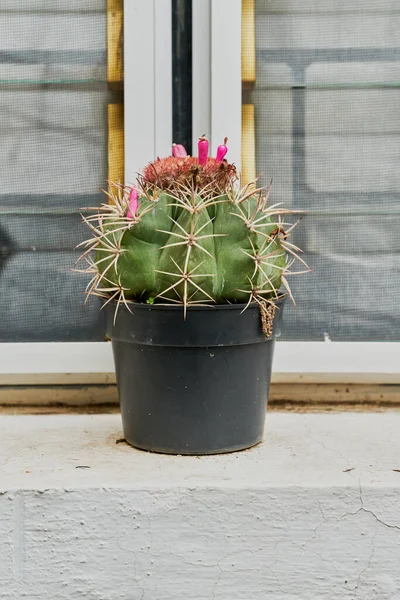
(188, 234)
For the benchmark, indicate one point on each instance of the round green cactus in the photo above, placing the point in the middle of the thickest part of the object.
(187, 234)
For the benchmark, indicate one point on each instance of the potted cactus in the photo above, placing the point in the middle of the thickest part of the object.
(190, 266)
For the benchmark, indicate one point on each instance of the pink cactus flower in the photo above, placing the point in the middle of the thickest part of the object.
(178, 151)
(222, 150)
(202, 150)
(133, 203)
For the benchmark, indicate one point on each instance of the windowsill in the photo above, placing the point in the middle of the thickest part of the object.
(311, 512)
(42, 452)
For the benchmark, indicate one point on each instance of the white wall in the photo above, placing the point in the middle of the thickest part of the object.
(311, 514)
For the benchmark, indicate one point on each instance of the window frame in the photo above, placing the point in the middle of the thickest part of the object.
(217, 109)
(79, 363)
(147, 83)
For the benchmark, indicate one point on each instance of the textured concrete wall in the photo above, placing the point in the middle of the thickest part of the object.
(311, 514)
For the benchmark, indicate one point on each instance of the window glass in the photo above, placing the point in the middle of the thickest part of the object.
(53, 132)
(325, 100)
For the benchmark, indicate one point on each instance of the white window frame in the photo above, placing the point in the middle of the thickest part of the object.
(78, 363)
(148, 133)
(147, 83)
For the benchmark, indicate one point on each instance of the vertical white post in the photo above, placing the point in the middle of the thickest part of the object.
(138, 85)
(147, 82)
(163, 77)
(226, 77)
(201, 70)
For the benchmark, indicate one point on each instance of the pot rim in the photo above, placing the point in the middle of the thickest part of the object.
(175, 307)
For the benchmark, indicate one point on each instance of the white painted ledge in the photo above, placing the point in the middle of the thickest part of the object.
(75, 363)
(311, 514)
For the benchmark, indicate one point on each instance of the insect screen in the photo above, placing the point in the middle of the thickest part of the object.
(53, 131)
(325, 107)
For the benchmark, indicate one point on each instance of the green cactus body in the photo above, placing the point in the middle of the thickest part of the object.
(222, 258)
(195, 238)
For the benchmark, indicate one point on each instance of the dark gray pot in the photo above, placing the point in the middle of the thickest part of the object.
(198, 386)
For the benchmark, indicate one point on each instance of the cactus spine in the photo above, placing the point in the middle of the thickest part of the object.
(188, 234)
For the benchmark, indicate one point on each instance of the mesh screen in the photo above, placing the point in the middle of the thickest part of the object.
(327, 123)
(53, 131)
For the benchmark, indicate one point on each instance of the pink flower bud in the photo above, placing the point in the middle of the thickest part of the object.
(178, 150)
(133, 203)
(202, 150)
(222, 150)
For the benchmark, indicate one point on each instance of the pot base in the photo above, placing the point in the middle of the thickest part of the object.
(204, 453)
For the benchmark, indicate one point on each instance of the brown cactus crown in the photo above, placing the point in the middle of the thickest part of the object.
(176, 173)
